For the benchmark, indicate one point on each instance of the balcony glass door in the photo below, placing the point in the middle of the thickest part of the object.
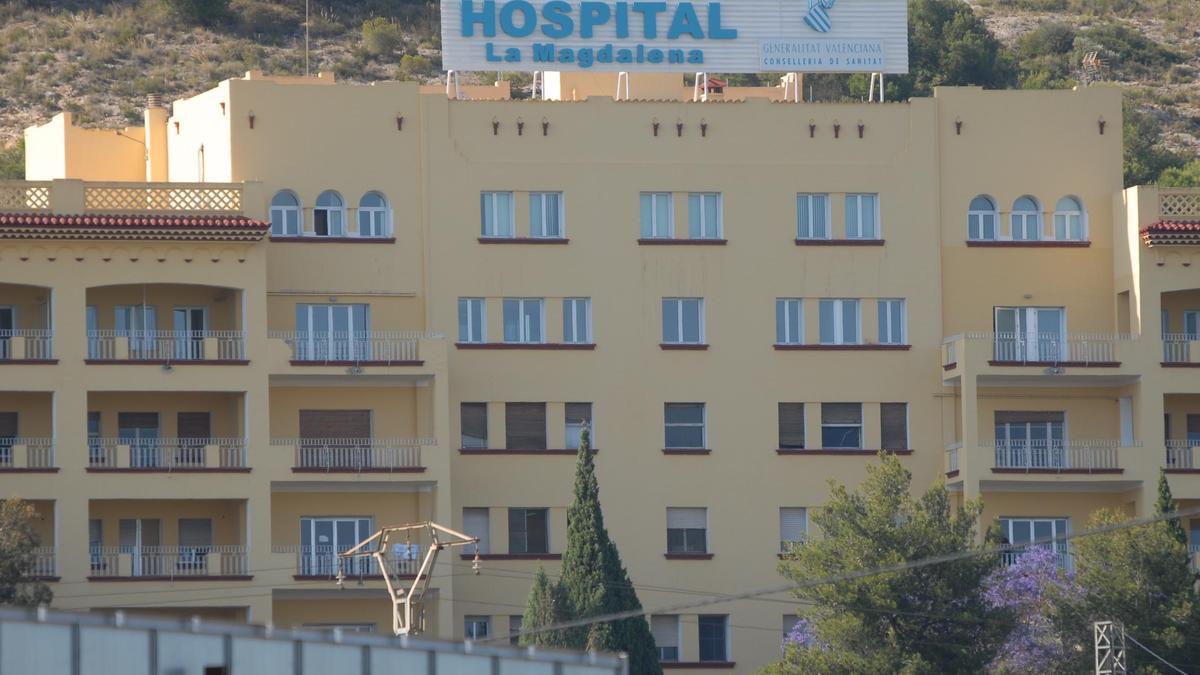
(1021, 532)
(1031, 440)
(93, 337)
(138, 323)
(321, 539)
(140, 431)
(190, 324)
(8, 323)
(140, 539)
(332, 333)
(1030, 334)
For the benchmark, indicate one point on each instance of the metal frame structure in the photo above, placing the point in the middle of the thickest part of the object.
(405, 619)
(1110, 648)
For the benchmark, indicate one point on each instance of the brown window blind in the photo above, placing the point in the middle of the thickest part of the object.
(1029, 416)
(474, 425)
(193, 425)
(525, 426)
(893, 420)
(579, 413)
(841, 413)
(791, 425)
(335, 424)
(137, 420)
(1193, 424)
(8, 425)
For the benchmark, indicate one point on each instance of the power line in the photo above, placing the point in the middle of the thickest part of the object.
(1151, 653)
(860, 574)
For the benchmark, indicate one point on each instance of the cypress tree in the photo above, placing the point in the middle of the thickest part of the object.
(1166, 504)
(594, 579)
(546, 606)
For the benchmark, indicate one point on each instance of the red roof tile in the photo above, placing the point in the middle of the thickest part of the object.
(132, 221)
(127, 227)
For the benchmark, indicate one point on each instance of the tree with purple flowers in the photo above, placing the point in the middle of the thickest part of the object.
(1035, 589)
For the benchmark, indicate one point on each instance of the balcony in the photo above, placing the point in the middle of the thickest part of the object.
(45, 563)
(1181, 350)
(158, 455)
(169, 562)
(322, 562)
(27, 345)
(1034, 456)
(355, 455)
(951, 460)
(31, 455)
(1053, 349)
(26, 333)
(337, 348)
(1182, 456)
(1011, 553)
(1073, 359)
(162, 346)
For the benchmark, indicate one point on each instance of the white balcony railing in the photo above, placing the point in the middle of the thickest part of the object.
(1183, 454)
(1177, 347)
(1075, 455)
(169, 561)
(352, 347)
(1062, 553)
(167, 345)
(322, 561)
(32, 344)
(952, 456)
(355, 454)
(44, 562)
(26, 453)
(1083, 348)
(153, 454)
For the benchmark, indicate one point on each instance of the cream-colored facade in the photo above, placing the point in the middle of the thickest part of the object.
(683, 268)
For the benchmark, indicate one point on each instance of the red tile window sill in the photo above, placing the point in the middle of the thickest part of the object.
(364, 577)
(841, 348)
(513, 556)
(1062, 364)
(839, 242)
(687, 451)
(664, 241)
(517, 451)
(334, 240)
(166, 362)
(852, 452)
(24, 470)
(544, 346)
(688, 556)
(1007, 470)
(340, 364)
(186, 577)
(158, 470)
(365, 469)
(682, 347)
(524, 240)
(28, 362)
(1028, 244)
(668, 665)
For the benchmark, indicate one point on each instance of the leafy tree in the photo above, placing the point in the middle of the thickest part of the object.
(1044, 56)
(1166, 504)
(12, 161)
(1034, 589)
(921, 620)
(200, 12)
(593, 582)
(18, 539)
(950, 45)
(1187, 175)
(1145, 157)
(381, 37)
(1137, 576)
(547, 606)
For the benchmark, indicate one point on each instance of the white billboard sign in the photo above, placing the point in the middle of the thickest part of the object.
(734, 36)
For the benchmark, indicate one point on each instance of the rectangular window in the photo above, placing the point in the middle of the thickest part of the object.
(477, 524)
(893, 422)
(658, 215)
(704, 215)
(524, 320)
(321, 539)
(1031, 439)
(793, 526)
(577, 320)
(545, 215)
(525, 426)
(665, 629)
(474, 425)
(892, 322)
(839, 322)
(496, 214)
(1019, 533)
(791, 425)
(862, 216)
(1030, 334)
(528, 531)
(578, 415)
(841, 425)
(515, 622)
(472, 320)
(687, 530)
(684, 424)
(812, 216)
(683, 321)
(476, 627)
(713, 637)
(333, 332)
(789, 321)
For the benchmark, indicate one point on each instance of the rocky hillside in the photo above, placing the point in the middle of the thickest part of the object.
(98, 58)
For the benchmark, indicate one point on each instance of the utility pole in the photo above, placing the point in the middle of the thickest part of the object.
(1110, 648)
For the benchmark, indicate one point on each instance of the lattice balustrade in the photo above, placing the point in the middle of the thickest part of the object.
(162, 199)
(1179, 204)
(24, 197)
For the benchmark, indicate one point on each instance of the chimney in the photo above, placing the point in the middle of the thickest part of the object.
(156, 139)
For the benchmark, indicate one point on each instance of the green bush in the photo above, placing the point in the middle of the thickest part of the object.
(381, 37)
(12, 161)
(256, 17)
(199, 12)
(416, 67)
(1128, 51)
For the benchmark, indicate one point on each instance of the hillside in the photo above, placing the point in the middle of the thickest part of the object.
(98, 58)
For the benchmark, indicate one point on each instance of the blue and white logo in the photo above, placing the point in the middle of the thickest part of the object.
(818, 15)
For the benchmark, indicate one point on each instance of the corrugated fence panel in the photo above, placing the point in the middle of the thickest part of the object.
(262, 656)
(398, 661)
(464, 664)
(526, 668)
(35, 648)
(319, 658)
(188, 653)
(105, 651)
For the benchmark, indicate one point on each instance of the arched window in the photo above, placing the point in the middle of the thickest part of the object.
(285, 214)
(1069, 221)
(329, 215)
(374, 216)
(1026, 219)
(981, 219)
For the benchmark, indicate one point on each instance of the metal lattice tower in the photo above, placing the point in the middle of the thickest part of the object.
(1110, 648)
